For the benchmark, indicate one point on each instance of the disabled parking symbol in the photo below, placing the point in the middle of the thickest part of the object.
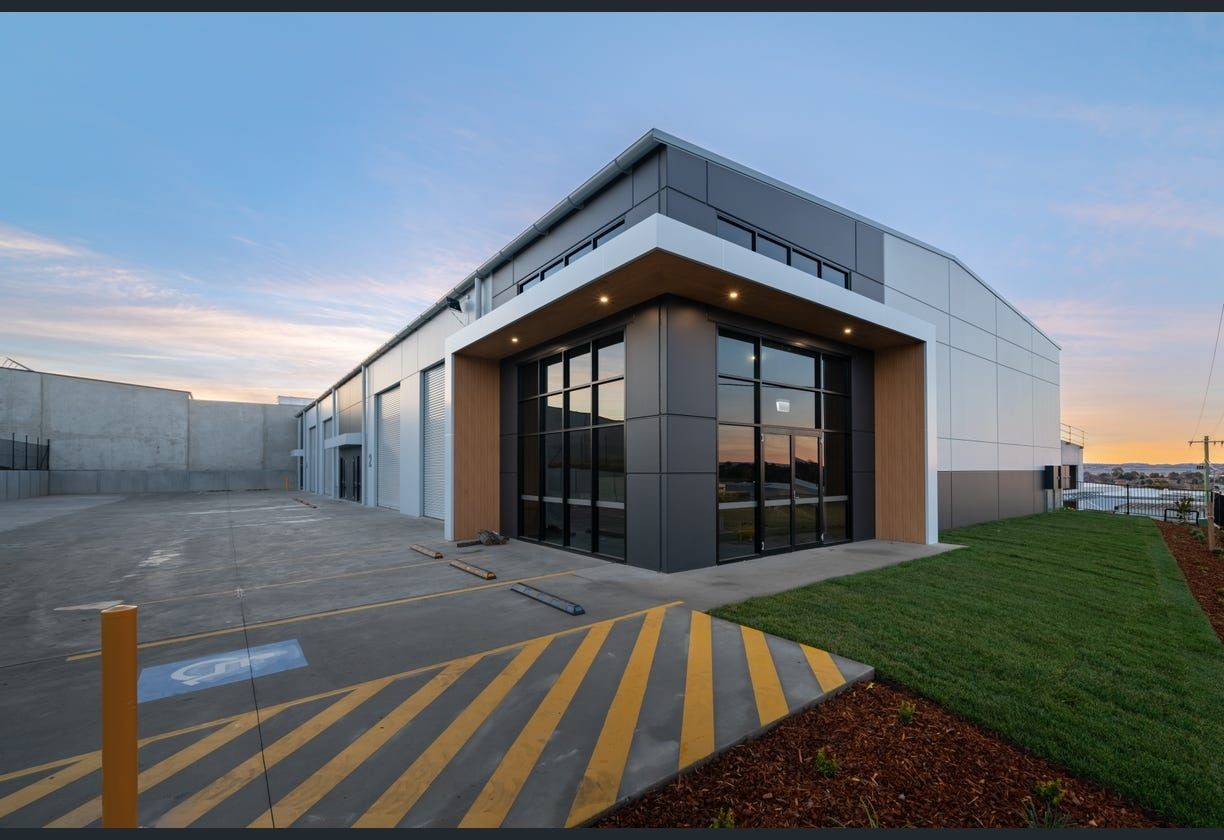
(218, 669)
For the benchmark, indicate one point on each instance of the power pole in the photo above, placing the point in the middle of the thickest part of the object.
(1209, 507)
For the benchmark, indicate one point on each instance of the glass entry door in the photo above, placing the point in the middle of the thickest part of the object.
(790, 498)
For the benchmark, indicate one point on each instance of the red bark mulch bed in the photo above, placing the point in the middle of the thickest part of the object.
(935, 771)
(1203, 571)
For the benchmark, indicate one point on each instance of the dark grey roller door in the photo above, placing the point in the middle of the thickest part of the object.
(389, 449)
(433, 436)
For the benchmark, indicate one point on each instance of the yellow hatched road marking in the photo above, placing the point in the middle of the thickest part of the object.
(50, 784)
(697, 726)
(824, 668)
(500, 791)
(300, 799)
(92, 810)
(324, 614)
(190, 810)
(770, 701)
(601, 781)
(398, 799)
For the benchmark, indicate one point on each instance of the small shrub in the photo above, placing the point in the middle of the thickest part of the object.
(825, 764)
(1048, 815)
(905, 712)
(725, 818)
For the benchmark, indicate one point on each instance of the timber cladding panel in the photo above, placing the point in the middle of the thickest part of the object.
(475, 396)
(900, 443)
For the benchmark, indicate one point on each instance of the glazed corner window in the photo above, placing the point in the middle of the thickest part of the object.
(834, 275)
(734, 233)
(571, 447)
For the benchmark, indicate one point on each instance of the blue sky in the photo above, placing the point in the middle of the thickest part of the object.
(246, 205)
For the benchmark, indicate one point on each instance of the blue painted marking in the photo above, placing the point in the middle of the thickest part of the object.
(218, 669)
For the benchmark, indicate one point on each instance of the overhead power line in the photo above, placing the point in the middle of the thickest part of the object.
(1210, 371)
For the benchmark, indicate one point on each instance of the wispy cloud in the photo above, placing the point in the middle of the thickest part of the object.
(1161, 211)
(15, 242)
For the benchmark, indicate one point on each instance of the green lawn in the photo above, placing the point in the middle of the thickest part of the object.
(1071, 633)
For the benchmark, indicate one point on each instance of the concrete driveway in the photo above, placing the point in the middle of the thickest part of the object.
(301, 666)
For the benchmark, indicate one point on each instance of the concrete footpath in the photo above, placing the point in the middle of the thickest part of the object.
(301, 666)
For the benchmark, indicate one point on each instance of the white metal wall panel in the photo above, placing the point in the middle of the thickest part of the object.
(312, 463)
(329, 460)
(433, 438)
(388, 469)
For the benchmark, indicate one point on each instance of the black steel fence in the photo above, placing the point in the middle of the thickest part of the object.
(20, 453)
(1127, 499)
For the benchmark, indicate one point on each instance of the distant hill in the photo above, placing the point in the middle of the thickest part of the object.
(1142, 467)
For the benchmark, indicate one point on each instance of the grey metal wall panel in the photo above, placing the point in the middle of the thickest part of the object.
(508, 453)
(945, 501)
(1017, 493)
(642, 444)
(503, 278)
(508, 505)
(686, 173)
(646, 177)
(613, 201)
(689, 529)
(504, 296)
(862, 391)
(867, 287)
(862, 505)
(828, 234)
(387, 469)
(329, 459)
(869, 251)
(688, 210)
(975, 497)
(689, 444)
(690, 386)
(646, 207)
(642, 360)
(433, 441)
(862, 451)
(642, 520)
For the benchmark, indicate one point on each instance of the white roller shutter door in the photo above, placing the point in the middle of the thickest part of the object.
(313, 455)
(433, 428)
(389, 449)
(329, 458)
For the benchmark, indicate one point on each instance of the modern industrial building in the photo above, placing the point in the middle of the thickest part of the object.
(687, 362)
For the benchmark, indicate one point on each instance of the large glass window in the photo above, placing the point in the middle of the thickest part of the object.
(774, 492)
(572, 447)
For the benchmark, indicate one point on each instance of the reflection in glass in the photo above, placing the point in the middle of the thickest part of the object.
(807, 523)
(554, 466)
(529, 522)
(736, 356)
(579, 464)
(771, 249)
(777, 526)
(554, 373)
(529, 416)
(791, 367)
(553, 414)
(579, 535)
(835, 521)
(805, 263)
(529, 379)
(611, 402)
(734, 233)
(788, 407)
(610, 357)
(529, 465)
(775, 452)
(736, 532)
(579, 413)
(579, 362)
(807, 467)
(554, 522)
(736, 401)
(736, 463)
(834, 275)
(610, 462)
(611, 531)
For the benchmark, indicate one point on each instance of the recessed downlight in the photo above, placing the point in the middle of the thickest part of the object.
(733, 295)
(514, 339)
(847, 330)
(603, 298)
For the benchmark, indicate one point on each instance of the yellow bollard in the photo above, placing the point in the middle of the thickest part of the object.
(119, 717)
